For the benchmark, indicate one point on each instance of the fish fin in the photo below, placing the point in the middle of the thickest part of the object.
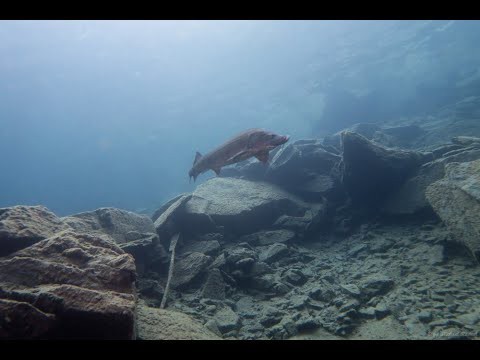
(198, 156)
(262, 156)
(242, 155)
(217, 170)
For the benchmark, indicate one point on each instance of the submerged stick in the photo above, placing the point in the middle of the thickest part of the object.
(173, 244)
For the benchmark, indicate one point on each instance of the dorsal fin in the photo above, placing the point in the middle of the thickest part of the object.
(197, 157)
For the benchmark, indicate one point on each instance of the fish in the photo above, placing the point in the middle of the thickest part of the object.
(250, 143)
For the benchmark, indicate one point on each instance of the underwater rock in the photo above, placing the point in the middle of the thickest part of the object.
(85, 281)
(22, 226)
(311, 221)
(308, 170)
(365, 129)
(268, 237)
(376, 285)
(134, 233)
(456, 200)
(151, 291)
(398, 136)
(21, 320)
(371, 172)
(270, 316)
(227, 320)
(410, 197)
(188, 269)
(148, 253)
(167, 224)
(121, 225)
(250, 169)
(274, 253)
(208, 247)
(160, 324)
(294, 277)
(466, 140)
(350, 289)
(241, 206)
(240, 258)
(165, 206)
(270, 284)
(214, 287)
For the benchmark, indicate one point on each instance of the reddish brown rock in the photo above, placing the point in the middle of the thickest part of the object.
(78, 285)
(22, 226)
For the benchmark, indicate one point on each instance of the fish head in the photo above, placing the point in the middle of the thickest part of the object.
(269, 139)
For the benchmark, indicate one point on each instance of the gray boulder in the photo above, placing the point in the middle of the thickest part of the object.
(214, 287)
(188, 269)
(372, 172)
(456, 200)
(410, 197)
(250, 169)
(240, 206)
(306, 169)
(398, 136)
(273, 253)
(121, 225)
(134, 233)
(227, 320)
(365, 129)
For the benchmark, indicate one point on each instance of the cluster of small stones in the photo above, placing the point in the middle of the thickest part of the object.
(409, 275)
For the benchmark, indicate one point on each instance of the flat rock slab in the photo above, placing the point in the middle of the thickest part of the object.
(241, 206)
(160, 324)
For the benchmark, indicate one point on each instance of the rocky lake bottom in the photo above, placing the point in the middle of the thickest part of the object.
(362, 235)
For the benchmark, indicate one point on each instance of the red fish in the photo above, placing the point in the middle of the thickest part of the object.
(253, 142)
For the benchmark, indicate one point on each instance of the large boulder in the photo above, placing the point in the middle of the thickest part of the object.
(22, 226)
(410, 197)
(134, 233)
(239, 206)
(365, 129)
(371, 171)
(68, 286)
(307, 169)
(250, 169)
(456, 200)
(121, 225)
(403, 136)
(406, 136)
(160, 324)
